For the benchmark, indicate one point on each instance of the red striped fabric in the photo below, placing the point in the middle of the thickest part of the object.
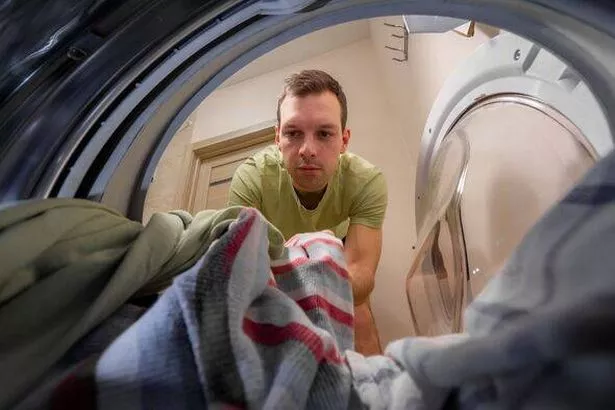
(294, 264)
(273, 335)
(287, 267)
(317, 301)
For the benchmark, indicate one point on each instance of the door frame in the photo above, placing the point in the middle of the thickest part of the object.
(201, 154)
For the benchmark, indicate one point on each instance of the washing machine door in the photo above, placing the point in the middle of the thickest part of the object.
(511, 132)
(436, 282)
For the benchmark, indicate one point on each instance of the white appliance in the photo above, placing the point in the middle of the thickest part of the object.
(510, 133)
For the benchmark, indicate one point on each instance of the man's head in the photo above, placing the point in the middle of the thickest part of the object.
(311, 132)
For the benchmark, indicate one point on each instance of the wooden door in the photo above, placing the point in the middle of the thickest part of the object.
(219, 173)
(213, 164)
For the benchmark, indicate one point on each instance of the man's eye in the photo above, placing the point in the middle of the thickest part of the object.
(324, 134)
(291, 134)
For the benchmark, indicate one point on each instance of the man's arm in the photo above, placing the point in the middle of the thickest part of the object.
(364, 237)
(362, 251)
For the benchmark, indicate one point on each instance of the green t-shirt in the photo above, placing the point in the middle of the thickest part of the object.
(357, 194)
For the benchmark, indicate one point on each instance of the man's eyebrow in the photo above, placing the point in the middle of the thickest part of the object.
(328, 126)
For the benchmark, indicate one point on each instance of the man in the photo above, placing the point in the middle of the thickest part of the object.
(308, 182)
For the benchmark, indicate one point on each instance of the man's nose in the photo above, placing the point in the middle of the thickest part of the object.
(308, 148)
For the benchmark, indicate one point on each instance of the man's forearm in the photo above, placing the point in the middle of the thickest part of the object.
(362, 283)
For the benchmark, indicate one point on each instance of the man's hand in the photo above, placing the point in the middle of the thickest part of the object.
(362, 251)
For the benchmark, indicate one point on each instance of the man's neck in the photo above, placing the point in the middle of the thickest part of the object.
(310, 200)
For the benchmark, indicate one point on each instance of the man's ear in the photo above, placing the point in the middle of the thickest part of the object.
(345, 140)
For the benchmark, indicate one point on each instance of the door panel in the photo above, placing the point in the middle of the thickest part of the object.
(218, 174)
(225, 171)
(217, 195)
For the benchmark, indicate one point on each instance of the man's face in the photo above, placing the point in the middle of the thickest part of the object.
(311, 139)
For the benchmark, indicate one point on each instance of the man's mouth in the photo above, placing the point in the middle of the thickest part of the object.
(309, 167)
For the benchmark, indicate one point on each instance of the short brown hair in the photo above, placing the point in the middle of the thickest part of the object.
(309, 82)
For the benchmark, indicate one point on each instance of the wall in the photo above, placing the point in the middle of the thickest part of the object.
(253, 101)
(303, 48)
(165, 190)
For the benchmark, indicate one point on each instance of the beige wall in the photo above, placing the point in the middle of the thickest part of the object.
(388, 105)
(165, 190)
(253, 101)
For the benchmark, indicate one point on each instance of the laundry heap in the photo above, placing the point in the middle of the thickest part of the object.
(244, 320)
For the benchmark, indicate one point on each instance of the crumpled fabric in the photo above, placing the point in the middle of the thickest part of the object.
(540, 335)
(238, 329)
(68, 264)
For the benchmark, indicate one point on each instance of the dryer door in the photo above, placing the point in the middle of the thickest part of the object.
(520, 155)
(436, 283)
(540, 156)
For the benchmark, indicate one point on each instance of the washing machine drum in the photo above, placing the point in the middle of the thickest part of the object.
(92, 92)
(493, 165)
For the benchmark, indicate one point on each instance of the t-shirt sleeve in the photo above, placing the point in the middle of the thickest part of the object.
(245, 186)
(369, 206)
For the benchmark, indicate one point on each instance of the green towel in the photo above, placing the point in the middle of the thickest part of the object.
(67, 264)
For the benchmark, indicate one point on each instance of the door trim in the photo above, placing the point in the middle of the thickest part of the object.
(197, 170)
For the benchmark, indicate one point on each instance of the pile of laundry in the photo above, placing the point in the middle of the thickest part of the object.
(245, 320)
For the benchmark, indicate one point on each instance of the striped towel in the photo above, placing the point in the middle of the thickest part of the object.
(237, 330)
